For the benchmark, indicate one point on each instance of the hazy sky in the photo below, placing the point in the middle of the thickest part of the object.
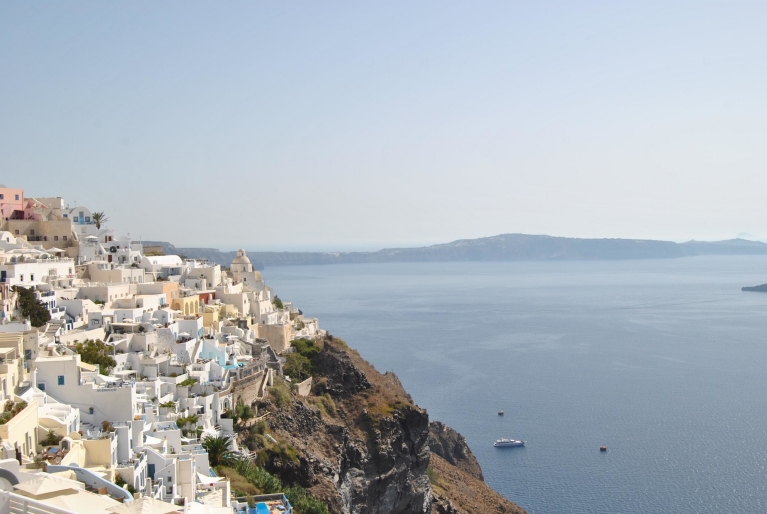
(350, 125)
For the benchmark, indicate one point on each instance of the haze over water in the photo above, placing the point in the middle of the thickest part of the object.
(661, 360)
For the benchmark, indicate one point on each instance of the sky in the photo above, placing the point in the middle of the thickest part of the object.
(362, 125)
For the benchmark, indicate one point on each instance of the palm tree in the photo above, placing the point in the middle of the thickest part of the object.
(99, 218)
(217, 448)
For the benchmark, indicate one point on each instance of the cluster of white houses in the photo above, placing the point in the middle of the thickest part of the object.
(181, 332)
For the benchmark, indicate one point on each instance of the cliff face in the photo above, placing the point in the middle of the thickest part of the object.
(361, 445)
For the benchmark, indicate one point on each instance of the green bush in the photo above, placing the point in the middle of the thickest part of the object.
(97, 353)
(51, 439)
(303, 502)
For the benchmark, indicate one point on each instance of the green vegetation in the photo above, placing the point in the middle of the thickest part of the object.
(253, 438)
(11, 409)
(282, 451)
(247, 479)
(241, 412)
(217, 448)
(97, 353)
(189, 382)
(51, 439)
(278, 303)
(170, 405)
(99, 302)
(188, 420)
(303, 502)
(433, 478)
(325, 404)
(298, 365)
(280, 394)
(32, 308)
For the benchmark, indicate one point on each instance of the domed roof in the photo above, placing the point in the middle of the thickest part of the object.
(241, 258)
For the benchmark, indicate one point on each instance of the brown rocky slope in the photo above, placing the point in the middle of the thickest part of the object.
(361, 445)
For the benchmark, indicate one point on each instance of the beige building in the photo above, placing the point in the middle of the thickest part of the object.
(48, 233)
(277, 335)
(21, 432)
(12, 370)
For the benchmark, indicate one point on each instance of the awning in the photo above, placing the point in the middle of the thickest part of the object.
(124, 372)
(208, 480)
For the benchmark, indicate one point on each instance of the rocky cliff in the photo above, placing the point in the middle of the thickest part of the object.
(361, 445)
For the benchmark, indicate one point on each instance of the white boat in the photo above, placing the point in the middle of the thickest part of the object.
(508, 442)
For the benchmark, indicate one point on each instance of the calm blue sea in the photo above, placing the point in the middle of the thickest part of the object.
(663, 361)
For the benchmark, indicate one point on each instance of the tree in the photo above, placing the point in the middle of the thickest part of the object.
(217, 448)
(278, 303)
(297, 367)
(96, 352)
(32, 308)
(99, 218)
(242, 412)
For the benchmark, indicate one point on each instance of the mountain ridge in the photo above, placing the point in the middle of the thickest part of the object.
(501, 247)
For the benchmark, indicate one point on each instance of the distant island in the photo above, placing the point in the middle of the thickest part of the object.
(759, 289)
(504, 247)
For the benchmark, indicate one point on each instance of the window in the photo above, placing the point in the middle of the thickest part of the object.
(61, 380)
(32, 232)
(87, 219)
(2, 196)
(28, 355)
(17, 197)
(32, 277)
(66, 215)
(21, 278)
(17, 232)
(75, 219)
(65, 238)
(41, 386)
(55, 238)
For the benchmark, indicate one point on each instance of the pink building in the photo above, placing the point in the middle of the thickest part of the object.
(10, 200)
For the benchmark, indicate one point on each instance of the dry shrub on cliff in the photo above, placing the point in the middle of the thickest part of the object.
(238, 483)
(325, 404)
(280, 394)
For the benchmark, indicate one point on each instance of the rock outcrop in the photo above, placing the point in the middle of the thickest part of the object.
(361, 445)
(451, 446)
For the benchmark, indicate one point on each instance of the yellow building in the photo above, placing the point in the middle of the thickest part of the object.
(187, 305)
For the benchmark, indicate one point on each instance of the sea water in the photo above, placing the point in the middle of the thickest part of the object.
(662, 361)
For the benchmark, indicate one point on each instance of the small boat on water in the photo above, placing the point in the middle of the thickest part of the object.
(503, 442)
(500, 413)
(603, 448)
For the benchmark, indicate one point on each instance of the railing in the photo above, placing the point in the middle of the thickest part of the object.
(89, 478)
(18, 504)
